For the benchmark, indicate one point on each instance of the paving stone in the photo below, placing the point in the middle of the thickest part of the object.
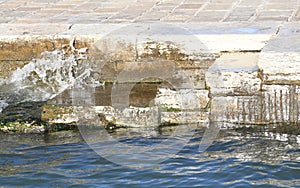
(104, 9)
(196, 1)
(209, 16)
(241, 11)
(16, 14)
(190, 6)
(279, 6)
(6, 20)
(250, 3)
(155, 16)
(63, 6)
(10, 6)
(176, 18)
(9, 30)
(218, 6)
(277, 18)
(155, 10)
(277, 13)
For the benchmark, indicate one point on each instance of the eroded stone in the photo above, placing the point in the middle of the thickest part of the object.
(279, 61)
(234, 74)
(182, 99)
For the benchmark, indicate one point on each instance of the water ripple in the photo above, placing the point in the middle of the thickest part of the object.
(232, 161)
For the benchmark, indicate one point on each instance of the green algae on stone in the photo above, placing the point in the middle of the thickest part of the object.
(22, 127)
(108, 125)
(53, 112)
(292, 129)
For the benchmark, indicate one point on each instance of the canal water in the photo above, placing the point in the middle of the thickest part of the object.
(237, 158)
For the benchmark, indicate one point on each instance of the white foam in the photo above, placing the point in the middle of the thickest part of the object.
(3, 105)
(44, 78)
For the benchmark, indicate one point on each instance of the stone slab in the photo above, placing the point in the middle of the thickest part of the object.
(114, 11)
(211, 37)
(280, 58)
(215, 38)
(128, 117)
(182, 99)
(234, 74)
(45, 29)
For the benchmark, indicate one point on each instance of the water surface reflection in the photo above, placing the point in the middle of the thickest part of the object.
(237, 158)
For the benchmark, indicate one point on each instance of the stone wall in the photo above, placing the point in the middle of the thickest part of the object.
(257, 86)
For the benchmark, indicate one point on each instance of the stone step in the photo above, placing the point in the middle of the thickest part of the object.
(280, 58)
(230, 78)
(234, 74)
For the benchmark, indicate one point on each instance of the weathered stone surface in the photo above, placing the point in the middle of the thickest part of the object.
(192, 37)
(236, 109)
(113, 49)
(240, 36)
(234, 74)
(281, 103)
(8, 67)
(280, 66)
(280, 59)
(195, 72)
(277, 104)
(182, 99)
(25, 37)
(147, 70)
(195, 76)
(127, 117)
(53, 114)
(22, 127)
(176, 118)
(27, 48)
(128, 11)
(208, 36)
(34, 29)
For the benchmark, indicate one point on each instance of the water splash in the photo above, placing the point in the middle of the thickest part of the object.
(45, 78)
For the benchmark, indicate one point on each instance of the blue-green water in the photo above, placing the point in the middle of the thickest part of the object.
(236, 159)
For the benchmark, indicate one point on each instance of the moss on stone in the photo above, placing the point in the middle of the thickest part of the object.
(108, 125)
(51, 112)
(292, 129)
(23, 127)
(61, 127)
(173, 109)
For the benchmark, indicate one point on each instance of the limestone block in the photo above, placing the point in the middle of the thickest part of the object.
(193, 117)
(181, 99)
(237, 109)
(234, 73)
(127, 117)
(137, 117)
(226, 36)
(195, 76)
(280, 59)
(276, 104)
(281, 103)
